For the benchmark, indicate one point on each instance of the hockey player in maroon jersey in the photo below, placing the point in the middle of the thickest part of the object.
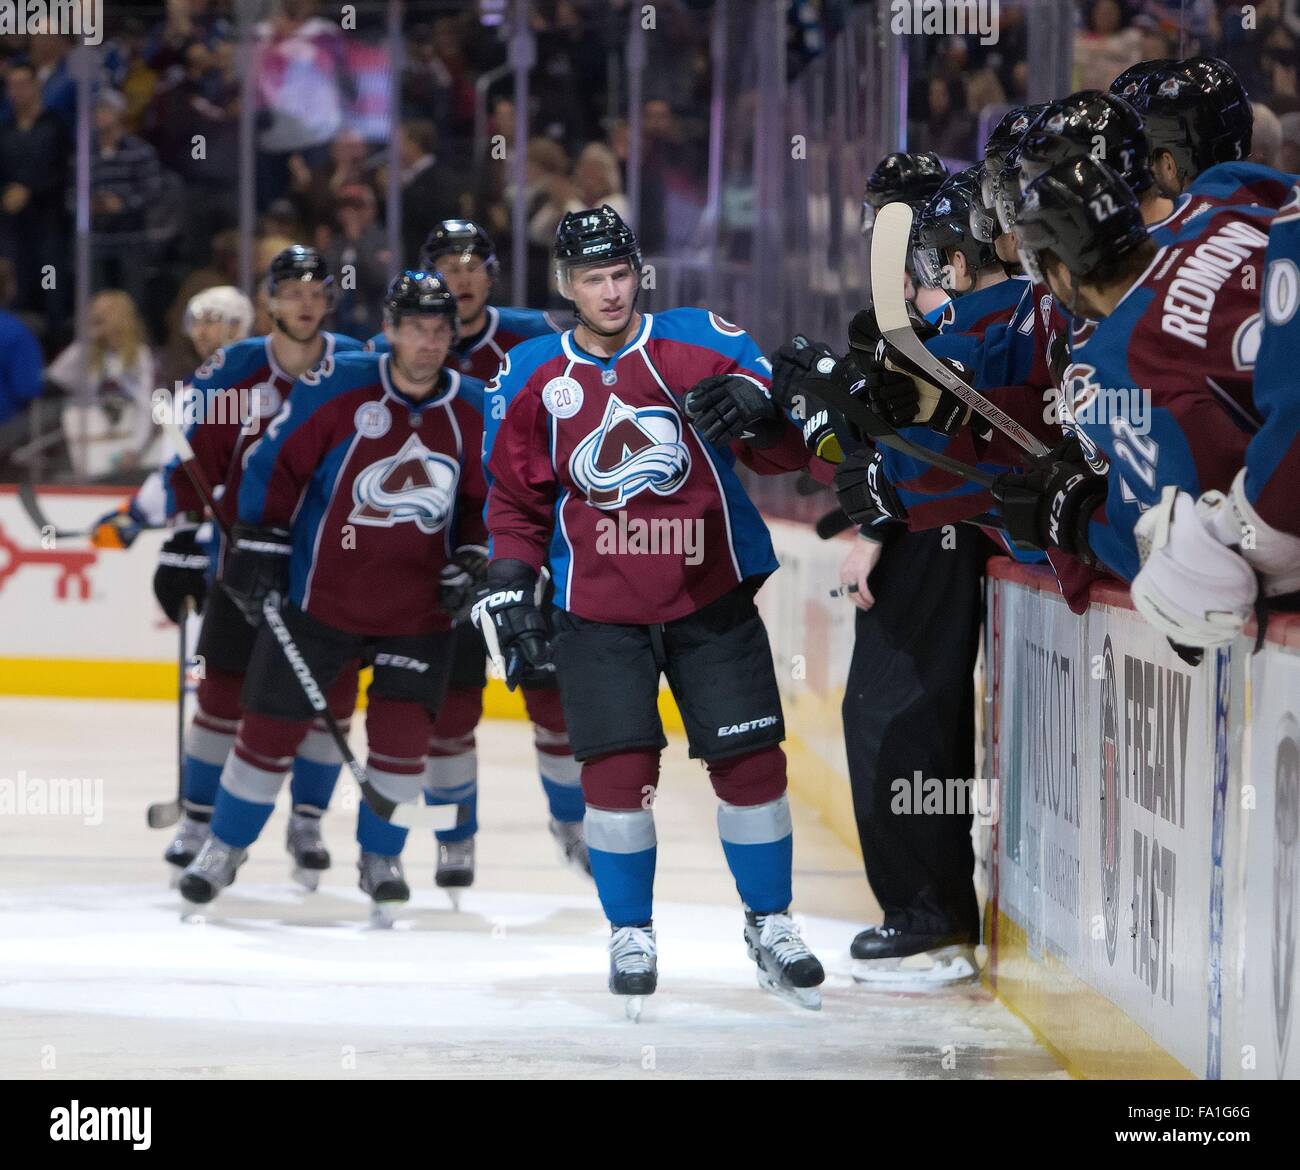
(461, 252)
(362, 506)
(233, 395)
(610, 452)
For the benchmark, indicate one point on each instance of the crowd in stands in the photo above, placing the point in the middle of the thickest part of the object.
(168, 92)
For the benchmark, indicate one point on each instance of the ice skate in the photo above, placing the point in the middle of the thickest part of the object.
(886, 957)
(573, 847)
(211, 871)
(384, 880)
(455, 868)
(633, 966)
(786, 967)
(185, 845)
(303, 843)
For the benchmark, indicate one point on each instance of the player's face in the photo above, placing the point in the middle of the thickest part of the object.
(467, 277)
(604, 294)
(301, 305)
(209, 334)
(420, 345)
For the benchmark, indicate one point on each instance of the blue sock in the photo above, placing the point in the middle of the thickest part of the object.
(312, 783)
(567, 804)
(623, 849)
(376, 835)
(759, 846)
(237, 821)
(202, 780)
(465, 795)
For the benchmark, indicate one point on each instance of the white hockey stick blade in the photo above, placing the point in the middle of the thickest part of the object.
(889, 243)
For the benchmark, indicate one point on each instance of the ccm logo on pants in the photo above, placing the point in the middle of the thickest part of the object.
(401, 662)
(750, 725)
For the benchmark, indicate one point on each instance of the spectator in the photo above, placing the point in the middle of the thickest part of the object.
(672, 198)
(315, 190)
(549, 191)
(1290, 142)
(34, 152)
(454, 78)
(124, 184)
(20, 368)
(109, 426)
(946, 128)
(429, 192)
(187, 22)
(598, 181)
(49, 57)
(1104, 48)
(1266, 139)
(359, 257)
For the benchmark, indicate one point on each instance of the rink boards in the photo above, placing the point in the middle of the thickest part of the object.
(1144, 886)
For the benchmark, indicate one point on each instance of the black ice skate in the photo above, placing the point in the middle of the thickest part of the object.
(183, 848)
(455, 868)
(633, 965)
(885, 956)
(384, 880)
(211, 871)
(303, 843)
(786, 966)
(573, 846)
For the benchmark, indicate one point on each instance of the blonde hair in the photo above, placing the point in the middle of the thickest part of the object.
(605, 157)
(123, 307)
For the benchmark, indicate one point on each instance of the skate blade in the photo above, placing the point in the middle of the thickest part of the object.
(633, 1006)
(928, 969)
(309, 879)
(809, 998)
(173, 875)
(454, 895)
(383, 915)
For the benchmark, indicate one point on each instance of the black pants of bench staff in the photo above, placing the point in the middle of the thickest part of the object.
(909, 708)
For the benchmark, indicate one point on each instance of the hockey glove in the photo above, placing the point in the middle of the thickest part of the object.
(791, 366)
(182, 572)
(120, 527)
(1051, 505)
(462, 578)
(864, 491)
(257, 565)
(724, 407)
(512, 623)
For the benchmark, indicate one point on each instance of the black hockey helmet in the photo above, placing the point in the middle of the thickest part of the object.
(420, 294)
(1006, 136)
(459, 237)
(1130, 81)
(1089, 122)
(1082, 212)
(595, 236)
(1006, 190)
(943, 225)
(902, 178)
(298, 262)
(1199, 112)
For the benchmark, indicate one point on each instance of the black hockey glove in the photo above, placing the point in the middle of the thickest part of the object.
(724, 407)
(864, 491)
(791, 366)
(1052, 503)
(462, 579)
(182, 572)
(257, 564)
(800, 370)
(512, 623)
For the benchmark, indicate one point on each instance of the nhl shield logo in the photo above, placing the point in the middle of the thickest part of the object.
(633, 449)
(1109, 791)
(415, 485)
(1286, 881)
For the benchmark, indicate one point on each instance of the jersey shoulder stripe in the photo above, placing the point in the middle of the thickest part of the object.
(526, 323)
(703, 328)
(346, 344)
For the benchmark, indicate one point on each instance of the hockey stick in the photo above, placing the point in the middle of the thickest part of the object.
(407, 816)
(889, 243)
(165, 813)
(36, 514)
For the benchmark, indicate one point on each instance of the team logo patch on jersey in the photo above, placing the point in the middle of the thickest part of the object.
(633, 449)
(416, 485)
(562, 396)
(724, 326)
(1281, 291)
(264, 400)
(372, 420)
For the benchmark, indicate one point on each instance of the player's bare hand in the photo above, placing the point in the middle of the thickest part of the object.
(856, 567)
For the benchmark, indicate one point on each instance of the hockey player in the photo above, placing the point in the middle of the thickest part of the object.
(370, 473)
(234, 394)
(462, 253)
(213, 318)
(614, 462)
(920, 175)
(1161, 391)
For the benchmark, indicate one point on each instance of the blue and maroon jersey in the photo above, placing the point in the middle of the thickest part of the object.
(479, 355)
(595, 469)
(377, 489)
(1161, 391)
(235, 393)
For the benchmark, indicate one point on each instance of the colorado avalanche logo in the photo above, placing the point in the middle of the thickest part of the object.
(1079, 388)
(1055, 124)
(1020, 125)
(1171, 87)
(633, 449)
(415, 484)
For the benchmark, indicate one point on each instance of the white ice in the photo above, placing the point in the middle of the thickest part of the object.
(100, 977)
